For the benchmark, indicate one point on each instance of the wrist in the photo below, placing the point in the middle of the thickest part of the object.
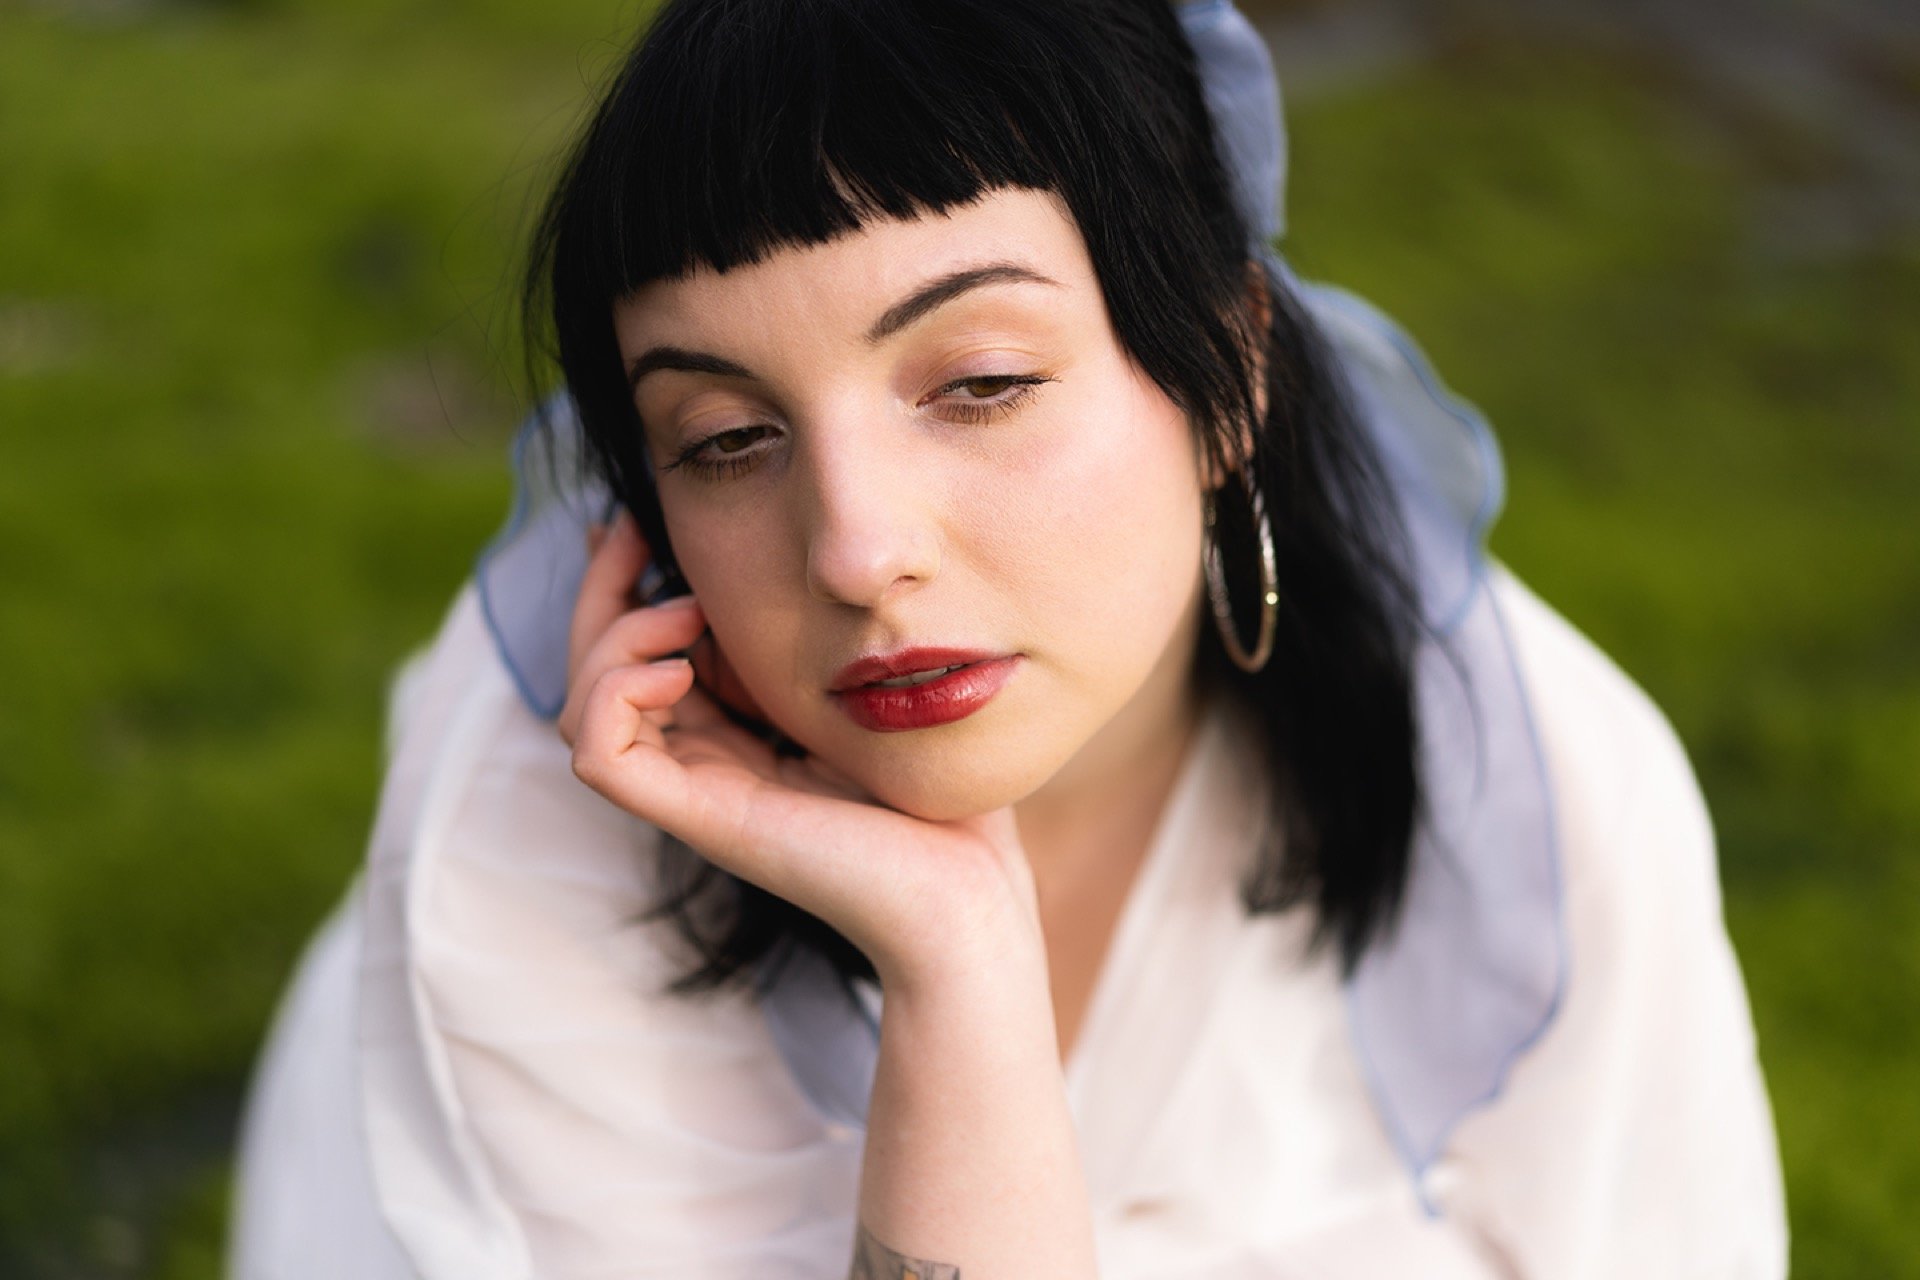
(965, 966)
(971, 1156)
(981, 927)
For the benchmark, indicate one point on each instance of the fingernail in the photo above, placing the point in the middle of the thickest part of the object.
(668, 664)
(677, 602)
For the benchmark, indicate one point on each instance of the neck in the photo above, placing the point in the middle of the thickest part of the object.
(1096, 815)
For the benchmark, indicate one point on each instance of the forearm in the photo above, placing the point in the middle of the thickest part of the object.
(972, 1168)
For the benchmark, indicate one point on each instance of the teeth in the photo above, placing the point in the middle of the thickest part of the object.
(918, 677)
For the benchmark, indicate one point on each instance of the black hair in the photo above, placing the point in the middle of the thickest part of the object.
(738, 127)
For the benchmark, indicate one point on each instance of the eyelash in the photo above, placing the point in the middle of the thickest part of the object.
(1021, 388)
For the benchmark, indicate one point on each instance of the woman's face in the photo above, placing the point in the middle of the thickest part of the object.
(925, 435)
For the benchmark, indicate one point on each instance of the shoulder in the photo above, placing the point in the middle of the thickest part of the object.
(521, 1050)
(1628, 809)
(1663, 1159)
(480, 1058)
(1584, 703)
(516, 881)
(475, 779)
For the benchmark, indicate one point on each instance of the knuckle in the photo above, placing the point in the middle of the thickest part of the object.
(588, 767)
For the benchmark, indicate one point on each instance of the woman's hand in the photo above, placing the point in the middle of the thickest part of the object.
(920, 899)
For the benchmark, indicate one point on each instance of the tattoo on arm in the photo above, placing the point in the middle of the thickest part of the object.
(874, 1261)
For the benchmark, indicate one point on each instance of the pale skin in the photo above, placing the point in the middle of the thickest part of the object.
(923, 433)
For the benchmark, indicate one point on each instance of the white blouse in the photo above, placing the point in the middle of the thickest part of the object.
(475, 1075)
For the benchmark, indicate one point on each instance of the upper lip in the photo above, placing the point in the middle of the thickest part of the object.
(903, 662)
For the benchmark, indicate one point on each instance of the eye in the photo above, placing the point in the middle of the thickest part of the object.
(984, 388)
(735, 440)
(724, 453)
(988, 396)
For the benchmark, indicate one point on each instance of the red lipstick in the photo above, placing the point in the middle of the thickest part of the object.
(968, 680)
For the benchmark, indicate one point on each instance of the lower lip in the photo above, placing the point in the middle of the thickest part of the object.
(954, 696)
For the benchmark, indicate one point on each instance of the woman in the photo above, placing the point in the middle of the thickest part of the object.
(1112, 821)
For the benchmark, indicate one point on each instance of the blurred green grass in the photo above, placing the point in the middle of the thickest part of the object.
(256, 379)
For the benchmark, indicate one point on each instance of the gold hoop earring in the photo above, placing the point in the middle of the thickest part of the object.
(1269, 586)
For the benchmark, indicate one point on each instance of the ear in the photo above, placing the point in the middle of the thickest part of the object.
(1255, 325)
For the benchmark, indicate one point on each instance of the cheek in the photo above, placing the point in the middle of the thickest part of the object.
(733, 563)
(1106, 525)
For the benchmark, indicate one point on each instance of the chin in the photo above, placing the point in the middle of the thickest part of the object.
(946, 786)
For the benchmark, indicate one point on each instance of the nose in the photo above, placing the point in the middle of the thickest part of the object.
(872, 529)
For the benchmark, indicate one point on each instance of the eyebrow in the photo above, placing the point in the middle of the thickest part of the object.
(916, 305)
(939, 292)
(655, 358)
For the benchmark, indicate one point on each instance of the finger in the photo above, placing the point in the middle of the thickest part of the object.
(702, 735)
(612, 570)
(653, 631)
(834, 779)
(636, 637)
(803, 774)
(814, 850)
(614, 728)
(728, 747)
(700, 709)
(775, 836)
(622, 755)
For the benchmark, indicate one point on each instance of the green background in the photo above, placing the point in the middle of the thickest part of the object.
(258, 368)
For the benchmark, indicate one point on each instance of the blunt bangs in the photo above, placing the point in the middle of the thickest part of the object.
(737, 128)
(742, 126)
(794, 135)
